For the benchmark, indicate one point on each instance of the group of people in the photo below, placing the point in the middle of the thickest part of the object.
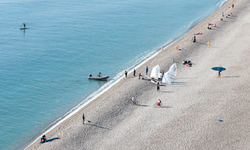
(187, 63)
(134, 101)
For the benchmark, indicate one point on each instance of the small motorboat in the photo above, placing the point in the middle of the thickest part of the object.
(98, 77)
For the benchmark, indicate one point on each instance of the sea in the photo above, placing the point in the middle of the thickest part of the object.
(44, 69)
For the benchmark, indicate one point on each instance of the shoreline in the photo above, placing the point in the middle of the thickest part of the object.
(140, 66)
(120, 76)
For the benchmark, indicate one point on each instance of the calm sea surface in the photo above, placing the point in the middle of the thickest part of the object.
(44, 69)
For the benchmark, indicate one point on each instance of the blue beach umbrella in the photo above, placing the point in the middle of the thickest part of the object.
(218, 68)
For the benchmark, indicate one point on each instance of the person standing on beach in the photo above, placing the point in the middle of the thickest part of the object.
(194, 39)
(218, 74)
(222, 14)
(83, 118)
(208, 43)
(158, 86)
(139, 75)
(147, 70)
(134, 72)
(232, 5)
(126, 73)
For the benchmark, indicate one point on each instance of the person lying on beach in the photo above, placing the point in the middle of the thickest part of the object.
(189, 63)
(198, 33)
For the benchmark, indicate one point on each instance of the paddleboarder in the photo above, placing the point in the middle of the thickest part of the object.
(24, 25)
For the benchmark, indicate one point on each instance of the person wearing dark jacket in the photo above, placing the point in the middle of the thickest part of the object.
(83, 118)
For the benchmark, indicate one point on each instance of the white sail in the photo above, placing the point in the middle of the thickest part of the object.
(173, 69)
(155, 73)
(166, 78)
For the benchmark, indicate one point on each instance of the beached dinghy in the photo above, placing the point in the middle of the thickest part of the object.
(167, 78)
(145, 78)
(155, 82)
(98, 77)
(173, 70)
(155, 73)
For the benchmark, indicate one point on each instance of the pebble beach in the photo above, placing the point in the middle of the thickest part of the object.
(192, 104)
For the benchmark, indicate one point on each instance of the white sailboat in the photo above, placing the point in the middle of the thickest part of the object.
(173, 69)
(155, 73)
(167, 78)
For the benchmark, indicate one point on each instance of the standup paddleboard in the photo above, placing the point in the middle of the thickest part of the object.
(218, 68)
(51, 139)
(24, 28)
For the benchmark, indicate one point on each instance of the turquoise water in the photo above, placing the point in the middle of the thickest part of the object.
(44, 69)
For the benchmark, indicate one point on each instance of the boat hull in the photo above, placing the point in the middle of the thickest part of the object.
(98, 78)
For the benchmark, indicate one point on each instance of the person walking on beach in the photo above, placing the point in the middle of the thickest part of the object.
(158, 86)
(194, 39)
(126, 73)
(134, 72)
(232, 5)
(83, 118)
(208, 43)
(218, 74)
(147, 70)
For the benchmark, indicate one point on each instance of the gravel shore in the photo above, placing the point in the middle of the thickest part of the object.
(192, 105)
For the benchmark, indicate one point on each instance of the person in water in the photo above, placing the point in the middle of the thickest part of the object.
(43, 139)
(24, 25)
